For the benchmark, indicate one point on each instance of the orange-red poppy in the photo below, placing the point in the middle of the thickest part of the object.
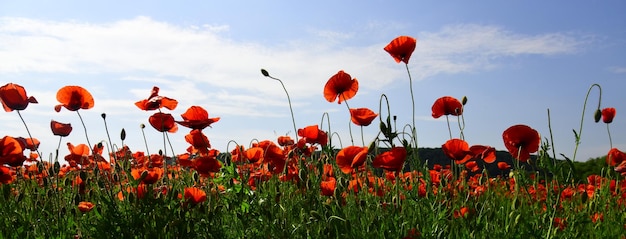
(327, 187)
(198, 141)
(351, 157)
(503, 166)
(608, 114)
(163, 122)
(615, 157)
(85, 206)
(11, 152)
(285, 141)
(486, 153)
(447, 105)
(194, 195)
(312, 134)
(207, 164)
(392, 160)
(521, 141)
(457, 150)
(462, 212)
(7, 175)
(60, 129)
(79, 154)
(147, 175)
(362, 116)
(29, 143)
(155, 101)
(74, 98)
(401, 48)
(13, 97)
(342, 86)
(197, 117)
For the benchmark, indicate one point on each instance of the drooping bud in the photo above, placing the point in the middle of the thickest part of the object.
(597, 116)
(464, 100)
(265, 73)
(104, 116)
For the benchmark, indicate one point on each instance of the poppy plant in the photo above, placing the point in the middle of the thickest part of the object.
(350, 158)
(392, 160)
(194, 195)
(486, 153)
(197, 117)
(342, 86)
(74, 98)
(85, 206)
(457, 150)
(11, 152)
(520, 141)
(60, 129)
(401, 48)
(615, 157)
(447, 105)
(155, 101)
(13, 97)
(362, 116)
(312, 134)
(608, 114)
(163, 122)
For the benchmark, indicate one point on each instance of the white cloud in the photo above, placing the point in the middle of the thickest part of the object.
(198, 66)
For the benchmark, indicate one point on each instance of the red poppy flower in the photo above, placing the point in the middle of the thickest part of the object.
(327, 187)
(520, 141)
(342, 86)
(163, 122)
(462, 212)
(197, 117)
(285, 141)
(60, 129)
(312, 134)
(503, 166)
(392, 160)
(7, 175)
(29, 143)
(608, 114)
(447, 105)
(401, 48)
(198, 141)
(472, 166)
(615, 157)
(486, 153)
(79, 154)
(194, 195)
(152, 174)
(457, 150)
(362, 116)
(85, 206)
(74, 98)
(11, 152)
(13, 97)
(350, 158)
(155, 101)
(207, 164)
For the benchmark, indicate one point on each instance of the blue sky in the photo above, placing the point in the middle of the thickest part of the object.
(513, 60)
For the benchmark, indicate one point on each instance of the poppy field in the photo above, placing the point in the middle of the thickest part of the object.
(298, 186)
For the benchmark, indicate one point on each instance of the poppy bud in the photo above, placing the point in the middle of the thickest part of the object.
(265, 73)
(597, 116)
(464, 100)
(142, 126)
(103, 115)
(123, 134)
